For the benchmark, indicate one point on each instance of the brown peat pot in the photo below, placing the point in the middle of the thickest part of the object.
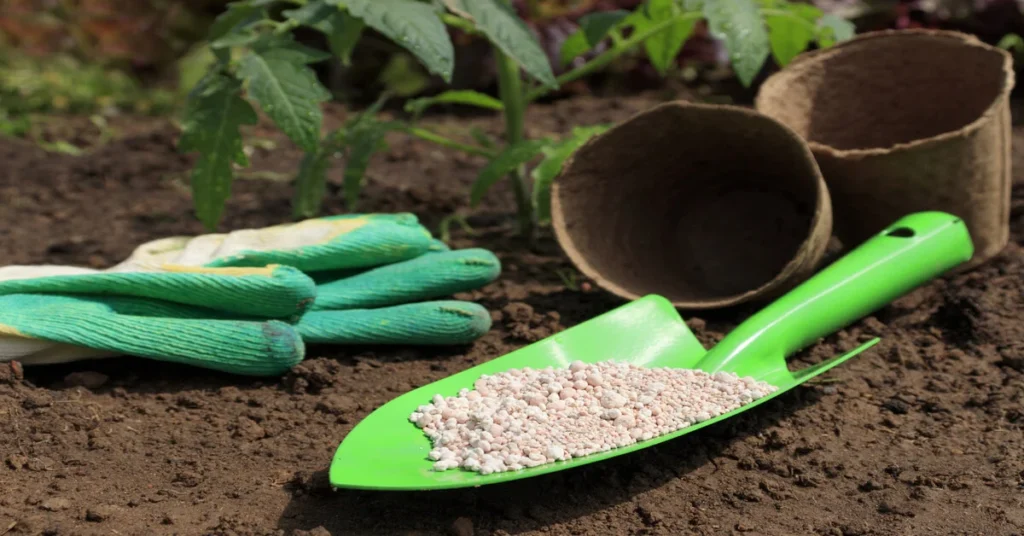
(902, 121)
(707, 205)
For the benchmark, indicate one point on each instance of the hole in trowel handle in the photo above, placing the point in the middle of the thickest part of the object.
(901, 232)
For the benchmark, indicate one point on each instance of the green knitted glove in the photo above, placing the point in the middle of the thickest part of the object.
(372, 274)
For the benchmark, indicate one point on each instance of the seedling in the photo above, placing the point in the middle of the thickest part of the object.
(257, 61)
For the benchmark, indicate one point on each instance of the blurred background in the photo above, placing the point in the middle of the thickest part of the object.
(107, 57)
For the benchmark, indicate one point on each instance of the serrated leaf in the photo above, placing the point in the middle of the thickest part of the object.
(287, 92)
(468, 97)
(510, 34)
(362, 143)
(548, 169)
(789, 37)
(311, 184)
(833, 29)
(738, 23)
(663, 47)
(415, 26)
(508, 160)
(212, 127)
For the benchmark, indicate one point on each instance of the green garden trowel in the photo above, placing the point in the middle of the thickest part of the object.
(387, 452)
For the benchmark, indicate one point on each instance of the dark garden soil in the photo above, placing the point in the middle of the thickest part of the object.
(920, 435)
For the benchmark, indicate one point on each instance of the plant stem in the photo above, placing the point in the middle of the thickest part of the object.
(510, 89)
(610, 55)
(460, 23)
(434, 137)
(286, 26)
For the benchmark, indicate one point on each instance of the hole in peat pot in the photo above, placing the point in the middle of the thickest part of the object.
(902, 232)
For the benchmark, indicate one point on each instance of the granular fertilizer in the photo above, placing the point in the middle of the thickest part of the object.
(528, 417)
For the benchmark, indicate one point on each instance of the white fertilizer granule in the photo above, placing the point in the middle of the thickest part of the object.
(528, 417)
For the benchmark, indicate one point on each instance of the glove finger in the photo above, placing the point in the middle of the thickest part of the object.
(423, 278)
(234, 346)
(332, 243)
(446, 322)
(271, 292)
(330, 276)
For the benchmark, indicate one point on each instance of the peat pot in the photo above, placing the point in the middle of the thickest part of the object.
(903, 121)
(707, 205)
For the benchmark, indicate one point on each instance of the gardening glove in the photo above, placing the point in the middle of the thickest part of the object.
(230, 319)
(371, 273)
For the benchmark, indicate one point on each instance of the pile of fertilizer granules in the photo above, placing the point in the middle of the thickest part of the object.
(528, 417)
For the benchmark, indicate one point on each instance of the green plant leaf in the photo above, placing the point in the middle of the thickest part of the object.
(573, 47)
(363, 142)
(455, 7)
(482, 138)
(415, 26)
(738, 23)
(313, 14)
(403, 76)
(310, 184)
(508, 160)
(508, 32)
(341, 29)
(833, 29)
(454, 96)
(345, 31)
(234, 39)
(806, 12)
(1012, 42)
(288, 92)
(548, 169)
(285, 48)
(663, 47)
(237, 15)
(234, 20)
(193, 66)
(789, 36)
(213, 119)
(593, 28)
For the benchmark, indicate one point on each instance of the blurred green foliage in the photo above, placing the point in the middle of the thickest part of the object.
(64, 84)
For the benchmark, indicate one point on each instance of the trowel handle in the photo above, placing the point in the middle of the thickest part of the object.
(903, 256)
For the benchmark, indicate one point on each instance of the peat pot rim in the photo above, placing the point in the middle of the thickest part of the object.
(868, 38)
(804, 261)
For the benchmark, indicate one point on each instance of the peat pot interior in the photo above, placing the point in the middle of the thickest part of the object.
(706, 205)
(885, 89)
